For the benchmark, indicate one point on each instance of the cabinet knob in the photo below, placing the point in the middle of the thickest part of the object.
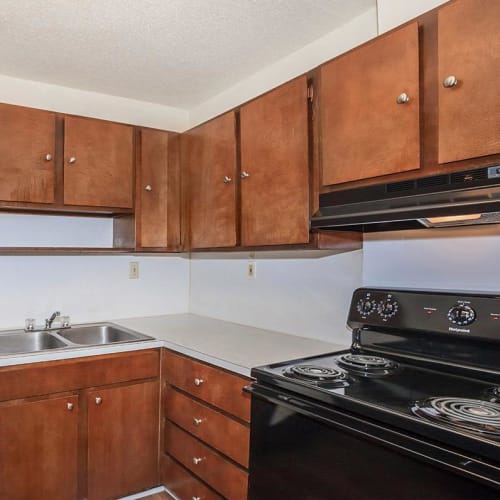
(197, 460)
(48, 157)
(71, 160)
(197, 421)
(227, 179)
(98, 400)
(195, 498)
(403, 98)
(450, 81)
(148, 187)
(69, 406)
(198, 382)
(244, 174)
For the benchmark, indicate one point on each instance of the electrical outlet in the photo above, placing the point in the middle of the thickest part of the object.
(133, 270)
(251, 270)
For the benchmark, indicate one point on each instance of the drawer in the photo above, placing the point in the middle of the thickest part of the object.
(225, 477)
(213, 385)
(182, 483)
(219, 431)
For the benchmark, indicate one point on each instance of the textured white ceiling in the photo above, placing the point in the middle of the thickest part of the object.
(173, 52)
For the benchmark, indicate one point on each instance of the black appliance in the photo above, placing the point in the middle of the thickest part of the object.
(410, 411)
(458, 198)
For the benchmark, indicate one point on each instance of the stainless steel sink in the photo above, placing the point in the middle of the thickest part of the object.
(21, 342)
(15, 343)
(101, 334)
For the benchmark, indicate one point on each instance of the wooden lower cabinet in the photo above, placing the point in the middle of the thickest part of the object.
(63, 436)
(206, 436)
(123, 438)
(39, 449)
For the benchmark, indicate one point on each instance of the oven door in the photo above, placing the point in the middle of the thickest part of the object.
(307, 451)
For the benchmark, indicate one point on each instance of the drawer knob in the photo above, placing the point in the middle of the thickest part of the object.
(450, 82)
(197, 421)
(98, 401)
(244, 174)
(48, 157)
(197, 460)
(403, 98)
(148, 187)
(198, 382)
(227, 179)
(69, 406)
(71, 160)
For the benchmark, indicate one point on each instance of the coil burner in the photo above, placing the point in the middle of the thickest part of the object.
(367, 365)
(471, 414)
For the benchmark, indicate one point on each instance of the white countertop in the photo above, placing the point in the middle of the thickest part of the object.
(229, 345)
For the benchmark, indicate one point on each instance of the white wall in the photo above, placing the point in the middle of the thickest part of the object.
(307, 297)
(353, 33)
(84, 103)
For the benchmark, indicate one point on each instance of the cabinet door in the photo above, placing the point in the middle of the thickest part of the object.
(275, 167)
(98, 163)
(469, 53)
(27, 148)
(209, 156)
(38, 449)
(123, 440)
(365, 132)
(158, 190)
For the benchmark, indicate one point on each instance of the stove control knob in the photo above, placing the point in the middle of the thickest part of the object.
(366, 306)
(462, 315)
(388, 308)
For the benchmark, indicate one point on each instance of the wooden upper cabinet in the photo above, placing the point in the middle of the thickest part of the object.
(469, 72)
(365, 133)
(39, 449)
(208, 155)
(275, 167)
(98, 163)
(27, 152)
(158, 190)
(123, 435)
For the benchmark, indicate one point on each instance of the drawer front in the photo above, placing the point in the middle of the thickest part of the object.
(219, 431)
(51, 377)
(211, 384)
(225, 477)
(182, 483)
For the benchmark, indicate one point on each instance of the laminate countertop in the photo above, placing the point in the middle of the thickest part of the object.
(232, 346)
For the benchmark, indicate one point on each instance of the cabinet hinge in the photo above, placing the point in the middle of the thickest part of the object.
(310, 93)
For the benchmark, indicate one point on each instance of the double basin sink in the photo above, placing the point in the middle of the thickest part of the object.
(21, 342)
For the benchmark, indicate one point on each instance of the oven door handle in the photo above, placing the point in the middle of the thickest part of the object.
(394, 439)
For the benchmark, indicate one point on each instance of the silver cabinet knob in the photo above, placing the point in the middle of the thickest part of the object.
(71, 160)
(148, 187)
(244, 174)
(197, 421)
(98, 400)
(69, 406)
(450, 81)
(198, 382)
(195, 498)
(227, 179)
(48, 157)
(197, 460)
(403, 98)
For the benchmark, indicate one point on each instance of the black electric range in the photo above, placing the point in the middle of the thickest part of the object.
(415, 405)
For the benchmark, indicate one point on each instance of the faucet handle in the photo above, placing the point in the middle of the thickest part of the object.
(29, 324)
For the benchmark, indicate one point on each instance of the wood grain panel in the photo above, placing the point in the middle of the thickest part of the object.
(208, 155)
(223, 476)
(219, 388)
(23, 381)
(219, 431)
(158, 209)
(275, 154)
(103, 173)
(39, 449)
(469, 48)
(182, 483)
(26, 137)
(364, 132)
(123, 436)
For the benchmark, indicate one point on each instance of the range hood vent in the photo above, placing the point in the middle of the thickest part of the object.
(414, 203)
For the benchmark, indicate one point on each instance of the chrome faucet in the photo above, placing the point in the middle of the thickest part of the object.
(48, 322)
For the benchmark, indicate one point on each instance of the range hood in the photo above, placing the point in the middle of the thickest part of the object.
(454, 199)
